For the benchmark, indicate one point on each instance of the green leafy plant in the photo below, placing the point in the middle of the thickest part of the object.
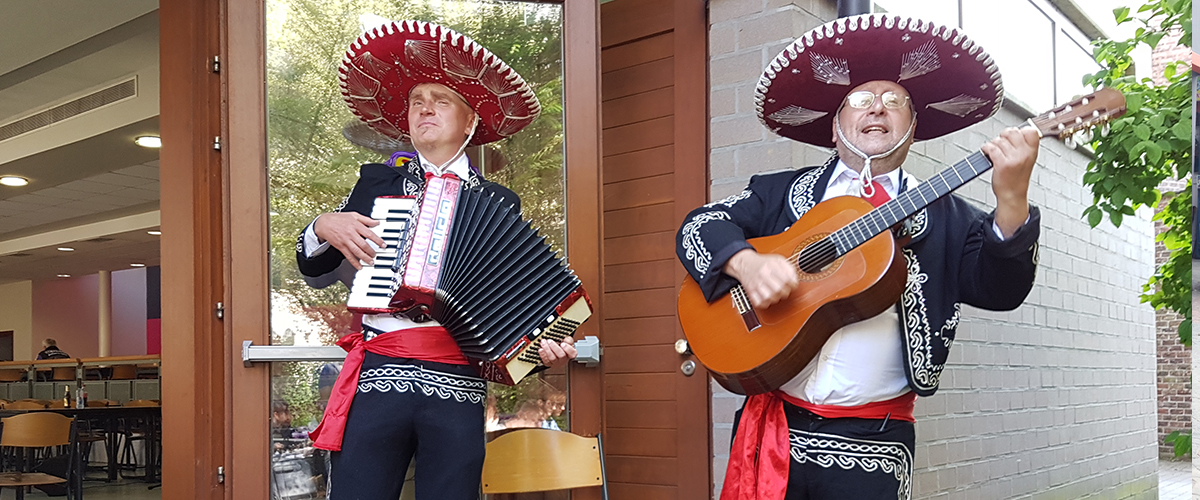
(1150, 144)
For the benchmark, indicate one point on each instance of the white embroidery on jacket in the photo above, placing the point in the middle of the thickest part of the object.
(693, 244)
(923, 373)
(730, 200)
(800, 195)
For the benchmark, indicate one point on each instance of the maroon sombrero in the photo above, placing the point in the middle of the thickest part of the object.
(952, 81)
(385, 63)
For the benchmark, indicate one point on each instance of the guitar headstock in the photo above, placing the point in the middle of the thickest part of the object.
(1081, 114)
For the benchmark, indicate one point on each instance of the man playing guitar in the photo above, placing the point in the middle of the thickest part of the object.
(843, 427)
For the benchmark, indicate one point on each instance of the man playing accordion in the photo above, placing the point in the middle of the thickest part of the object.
(412, 389)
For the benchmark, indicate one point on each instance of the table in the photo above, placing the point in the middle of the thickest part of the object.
(110, 416)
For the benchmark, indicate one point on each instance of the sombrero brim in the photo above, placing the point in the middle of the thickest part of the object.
(384, 64)
(953, 83)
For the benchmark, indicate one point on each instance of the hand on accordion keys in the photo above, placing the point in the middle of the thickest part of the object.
(555, 354)
(351, 234)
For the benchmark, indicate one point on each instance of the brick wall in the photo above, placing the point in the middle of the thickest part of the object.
(1174, 360)
(1053, 400)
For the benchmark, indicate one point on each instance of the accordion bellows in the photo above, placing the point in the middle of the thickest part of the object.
(467, 259)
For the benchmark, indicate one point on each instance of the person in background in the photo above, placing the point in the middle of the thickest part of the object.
(50, 350)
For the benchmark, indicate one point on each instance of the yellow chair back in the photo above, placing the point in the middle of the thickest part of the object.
(529, 460)
(36, 430)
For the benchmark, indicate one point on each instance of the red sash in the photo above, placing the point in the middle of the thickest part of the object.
(431, 343)
(758, 462)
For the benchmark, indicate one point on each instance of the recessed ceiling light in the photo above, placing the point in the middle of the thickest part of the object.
(66, 249)
(13, 181)
(64, 276)
(155, 233)
(137, 265)
(148, 141)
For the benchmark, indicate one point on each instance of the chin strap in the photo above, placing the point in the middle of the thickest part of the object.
(864, 189)
(441, 169)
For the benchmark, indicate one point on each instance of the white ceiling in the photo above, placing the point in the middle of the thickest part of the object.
(83, 169)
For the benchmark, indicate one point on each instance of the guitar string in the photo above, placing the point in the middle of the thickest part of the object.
(877, 220)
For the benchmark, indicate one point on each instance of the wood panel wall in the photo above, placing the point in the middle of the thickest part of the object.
(654, 116)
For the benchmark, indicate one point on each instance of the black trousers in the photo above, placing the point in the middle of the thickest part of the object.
(847, 458)
(407, 407)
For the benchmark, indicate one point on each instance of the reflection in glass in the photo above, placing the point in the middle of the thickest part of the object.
(1026, 61)
(943, 12)
(315, 148)
(1074, 61)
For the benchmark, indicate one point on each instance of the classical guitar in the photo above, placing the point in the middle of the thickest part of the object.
(850, 269)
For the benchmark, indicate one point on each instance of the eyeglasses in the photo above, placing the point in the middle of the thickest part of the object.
(863, 99)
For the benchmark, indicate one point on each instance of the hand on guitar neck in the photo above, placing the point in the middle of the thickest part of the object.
(766, 278)
(1012, 154)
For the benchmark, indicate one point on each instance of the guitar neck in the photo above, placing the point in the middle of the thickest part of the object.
(909, 202)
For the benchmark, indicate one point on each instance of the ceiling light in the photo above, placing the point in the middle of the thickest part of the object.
(66, 249)
(149, 141)
(64, 276)
(155, 233)
(137, 265)
(13, 181)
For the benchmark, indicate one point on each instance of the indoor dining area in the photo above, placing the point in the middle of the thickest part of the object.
(80, 230)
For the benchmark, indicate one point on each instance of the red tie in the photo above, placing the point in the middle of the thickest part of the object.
(879, 196)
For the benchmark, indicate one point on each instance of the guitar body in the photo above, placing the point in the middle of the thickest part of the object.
(861, 284)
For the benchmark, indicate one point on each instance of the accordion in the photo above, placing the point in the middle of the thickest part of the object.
(467, 259)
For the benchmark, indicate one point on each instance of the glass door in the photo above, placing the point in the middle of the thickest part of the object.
(314, 148)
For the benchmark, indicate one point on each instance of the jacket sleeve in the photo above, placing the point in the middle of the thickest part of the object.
(713, 233)
(360, 199)
(998, 274)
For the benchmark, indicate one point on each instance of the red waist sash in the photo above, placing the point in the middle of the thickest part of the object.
(758, 462)
(431, 343)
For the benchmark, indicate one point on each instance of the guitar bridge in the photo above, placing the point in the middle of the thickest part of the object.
(742, 303)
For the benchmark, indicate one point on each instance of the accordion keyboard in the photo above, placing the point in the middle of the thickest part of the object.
(374, 285)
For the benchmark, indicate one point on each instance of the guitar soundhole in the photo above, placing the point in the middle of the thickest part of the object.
(813, 258)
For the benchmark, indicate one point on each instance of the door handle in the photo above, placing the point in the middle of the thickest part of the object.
(589, 351)
(267, 353)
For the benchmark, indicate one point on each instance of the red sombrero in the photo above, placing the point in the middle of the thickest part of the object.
(952, 81)
(385, 63)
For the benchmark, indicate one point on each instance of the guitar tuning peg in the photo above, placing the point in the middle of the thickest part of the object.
(1070, 141)
(1104, 130)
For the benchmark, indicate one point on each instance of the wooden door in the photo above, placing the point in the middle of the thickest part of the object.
(655, 150)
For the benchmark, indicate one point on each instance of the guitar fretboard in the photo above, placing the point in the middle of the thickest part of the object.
(820, 254)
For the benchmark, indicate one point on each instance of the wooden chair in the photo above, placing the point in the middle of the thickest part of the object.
(38, 430)
(135, 430)
(11, 375)
(124, 372)
(101, 403)
(530, 460)
(25, 405)
(63, 373)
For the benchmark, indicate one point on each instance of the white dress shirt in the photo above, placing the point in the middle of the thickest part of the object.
(862, 362)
